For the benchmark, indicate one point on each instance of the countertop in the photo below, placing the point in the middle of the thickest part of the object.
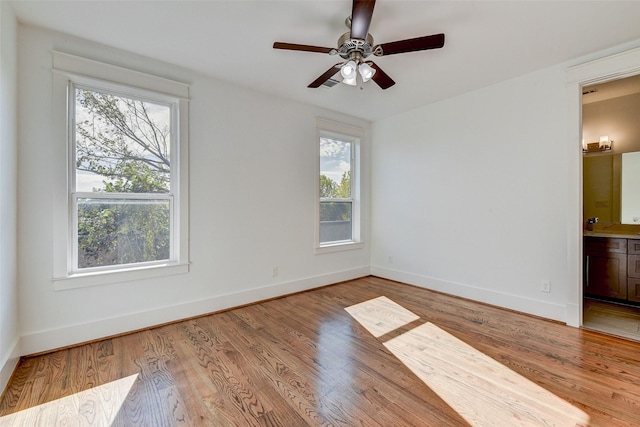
(615, 230)
(607, 233)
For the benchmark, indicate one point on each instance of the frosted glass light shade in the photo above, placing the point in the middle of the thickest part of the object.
(366, 71)
(350, 82)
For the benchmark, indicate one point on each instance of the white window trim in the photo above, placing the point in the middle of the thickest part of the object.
(355, 135)
(68, 70)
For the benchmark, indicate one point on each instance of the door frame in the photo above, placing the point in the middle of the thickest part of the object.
(613, 67)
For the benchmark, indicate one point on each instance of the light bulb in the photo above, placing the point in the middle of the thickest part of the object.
(348, 70)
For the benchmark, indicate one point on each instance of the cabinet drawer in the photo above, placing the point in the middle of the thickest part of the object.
(633, 290)
(633, 266)
(633, 246)
(603, 245)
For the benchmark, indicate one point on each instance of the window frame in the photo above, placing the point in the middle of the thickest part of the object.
(353, 135)
(71, 72)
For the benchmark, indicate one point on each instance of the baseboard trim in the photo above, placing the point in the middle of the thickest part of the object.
(539, 308)
(52, 339)
(9, 363)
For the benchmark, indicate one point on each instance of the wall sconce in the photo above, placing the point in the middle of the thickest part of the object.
(603, 145)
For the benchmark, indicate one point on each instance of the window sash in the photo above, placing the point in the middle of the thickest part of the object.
(337, 229)
(98, 197)
(130, 93)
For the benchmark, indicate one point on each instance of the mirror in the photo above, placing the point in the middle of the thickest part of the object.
(630, 191)
(611, 186)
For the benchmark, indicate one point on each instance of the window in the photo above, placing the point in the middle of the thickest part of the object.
(122, 200)
(336, 203)
(125, 178)
(339, 186)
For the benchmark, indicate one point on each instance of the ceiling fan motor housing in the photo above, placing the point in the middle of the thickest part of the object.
(353, 49)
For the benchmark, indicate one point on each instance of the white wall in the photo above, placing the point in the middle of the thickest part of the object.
(252, 206)
(617, 118)
(470, 195)
(481, 195)
(9, 349)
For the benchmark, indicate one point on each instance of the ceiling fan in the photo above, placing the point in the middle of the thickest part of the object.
(356, 45)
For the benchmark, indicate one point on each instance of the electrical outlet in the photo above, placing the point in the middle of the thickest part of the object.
(274, 272)
(390, 259)
(546, 286)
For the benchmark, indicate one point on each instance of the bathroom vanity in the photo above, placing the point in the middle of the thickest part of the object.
(612, 265)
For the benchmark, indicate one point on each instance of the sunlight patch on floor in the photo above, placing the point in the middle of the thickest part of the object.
(480, 389)
(380, 315)
(97, 406)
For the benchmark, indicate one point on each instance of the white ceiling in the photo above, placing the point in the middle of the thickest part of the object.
(486, 41)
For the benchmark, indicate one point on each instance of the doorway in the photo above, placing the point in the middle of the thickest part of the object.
(611, 207)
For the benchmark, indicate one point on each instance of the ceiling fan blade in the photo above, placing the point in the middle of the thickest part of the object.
(380, 77)
(434, 41)
(326, 76)
(302, 47)
(361, 18)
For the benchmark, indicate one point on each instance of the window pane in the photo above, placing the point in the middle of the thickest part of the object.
(122, 231)
(122, 144)
(335, 221)
(335, 169)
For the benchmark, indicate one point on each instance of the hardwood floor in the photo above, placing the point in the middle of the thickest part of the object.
(304, 360)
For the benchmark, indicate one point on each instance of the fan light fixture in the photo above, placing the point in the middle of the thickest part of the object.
(350, 76)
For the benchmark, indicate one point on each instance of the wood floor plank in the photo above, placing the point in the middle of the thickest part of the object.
(303, 360)
(280, 367)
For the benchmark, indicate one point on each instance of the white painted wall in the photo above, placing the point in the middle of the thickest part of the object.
(481, 195)
(616, 118)
(9, 334)
(252, 206)
(470, 194)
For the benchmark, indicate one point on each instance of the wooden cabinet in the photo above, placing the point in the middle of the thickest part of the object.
(633, 270)
(605, 267)
(612, 268)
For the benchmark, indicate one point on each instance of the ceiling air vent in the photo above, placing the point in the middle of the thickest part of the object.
(330, 83)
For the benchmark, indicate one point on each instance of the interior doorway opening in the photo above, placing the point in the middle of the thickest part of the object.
(611, 206)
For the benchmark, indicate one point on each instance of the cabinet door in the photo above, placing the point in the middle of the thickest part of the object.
(633, 268)
(633, 290)
(606, 275)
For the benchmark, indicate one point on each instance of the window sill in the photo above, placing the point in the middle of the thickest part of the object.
(104, 278)
(337, 247)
